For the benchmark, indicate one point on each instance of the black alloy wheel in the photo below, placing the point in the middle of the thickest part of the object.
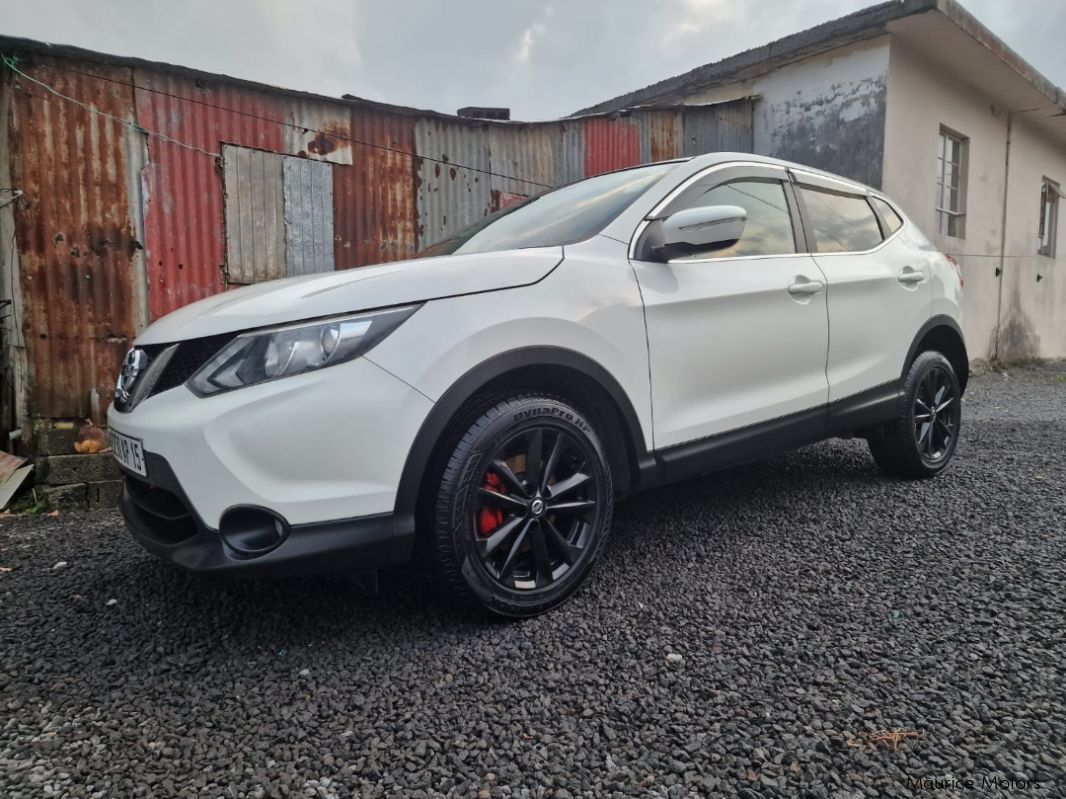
(523, 507)
(936, 413)
(921, 440)
(536, 508)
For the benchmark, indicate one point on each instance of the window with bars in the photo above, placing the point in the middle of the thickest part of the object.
(1049, 217)
(951, 184)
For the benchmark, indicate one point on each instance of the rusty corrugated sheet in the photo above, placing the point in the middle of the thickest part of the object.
(660, 135)
(74, 231)
(450, 195)
(374, 199)
(610, 144)
(308, 192)
(254, 215)
(319, 130)
(526, 160)
(720, 127)
(183, 213)
(573, 160)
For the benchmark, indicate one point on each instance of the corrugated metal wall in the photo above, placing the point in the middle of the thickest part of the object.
(661, 135)
(611, 144)
(374, 199)
(725, 127)
(452, 177)
(119, 227)
(183, 213)
(74, 232)
(525, 160)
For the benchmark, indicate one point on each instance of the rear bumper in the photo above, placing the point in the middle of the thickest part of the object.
(160, 517)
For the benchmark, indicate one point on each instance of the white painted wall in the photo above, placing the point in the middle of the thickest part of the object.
(1028, 318)
(1033, 309)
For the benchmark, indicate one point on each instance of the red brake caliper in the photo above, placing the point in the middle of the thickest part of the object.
(491, 518)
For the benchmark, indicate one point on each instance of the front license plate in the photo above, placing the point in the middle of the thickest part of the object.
(129, 452)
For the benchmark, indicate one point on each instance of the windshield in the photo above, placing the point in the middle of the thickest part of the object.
(567, 215)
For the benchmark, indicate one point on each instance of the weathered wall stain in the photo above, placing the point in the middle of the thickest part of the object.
(841, 131)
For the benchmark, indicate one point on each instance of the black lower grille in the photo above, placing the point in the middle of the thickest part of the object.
(165, 515)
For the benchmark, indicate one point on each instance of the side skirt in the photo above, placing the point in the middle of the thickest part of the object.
(841, 418)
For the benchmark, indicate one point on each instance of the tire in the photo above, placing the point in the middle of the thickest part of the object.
(508, 535)
(921, 440)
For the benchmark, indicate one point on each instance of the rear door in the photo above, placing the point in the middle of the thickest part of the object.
(879, 291)
(736, 336)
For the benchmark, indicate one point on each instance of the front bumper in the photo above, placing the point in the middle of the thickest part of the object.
(330, 444)
(159, 516)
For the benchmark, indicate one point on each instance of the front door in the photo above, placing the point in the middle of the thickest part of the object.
(736, 336)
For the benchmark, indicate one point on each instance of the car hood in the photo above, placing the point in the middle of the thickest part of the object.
(293, 299)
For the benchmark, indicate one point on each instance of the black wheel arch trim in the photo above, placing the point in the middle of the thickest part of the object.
(941, 320)
(457, 395)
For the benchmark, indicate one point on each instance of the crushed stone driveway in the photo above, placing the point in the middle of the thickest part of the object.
(748, 633)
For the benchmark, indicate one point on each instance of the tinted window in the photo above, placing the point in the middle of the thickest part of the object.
(768, 230)
(562, 216)
(841, 222)
(888, 213)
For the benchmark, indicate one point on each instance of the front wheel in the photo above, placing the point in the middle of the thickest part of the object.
(523, 506)
(921, 440)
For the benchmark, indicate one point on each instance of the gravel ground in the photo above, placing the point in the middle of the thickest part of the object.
(745, 635)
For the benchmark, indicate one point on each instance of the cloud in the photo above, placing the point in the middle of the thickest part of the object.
(529, 38)
(541, 58)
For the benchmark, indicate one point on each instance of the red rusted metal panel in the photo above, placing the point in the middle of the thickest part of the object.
(183, 213)
(610, 144)
(73, 230)
(374, 207)
(660, 135)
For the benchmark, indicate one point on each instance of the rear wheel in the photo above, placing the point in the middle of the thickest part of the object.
(921, 440)
(523, 506)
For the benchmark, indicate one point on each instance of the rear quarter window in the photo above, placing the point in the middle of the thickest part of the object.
(840, 222)
(893, 221)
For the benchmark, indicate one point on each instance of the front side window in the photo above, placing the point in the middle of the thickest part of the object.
(1049, 217)
(951, 184)
(840, 222)
(768, 230)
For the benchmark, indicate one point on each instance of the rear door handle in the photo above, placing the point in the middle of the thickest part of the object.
(803, 286)
(910, 276)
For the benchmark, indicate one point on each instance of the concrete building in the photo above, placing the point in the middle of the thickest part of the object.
(918, 98)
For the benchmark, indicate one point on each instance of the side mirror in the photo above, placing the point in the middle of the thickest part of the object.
(703, 227)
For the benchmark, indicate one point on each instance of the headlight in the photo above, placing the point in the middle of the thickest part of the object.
(263, 355)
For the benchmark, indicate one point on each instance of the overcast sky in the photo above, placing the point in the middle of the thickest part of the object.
(541, 58)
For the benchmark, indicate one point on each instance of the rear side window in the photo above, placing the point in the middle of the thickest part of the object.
(841, 222)
(768, 230)
(888, 213)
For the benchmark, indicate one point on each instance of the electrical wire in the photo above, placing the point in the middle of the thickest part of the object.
(12, 65)
(128, 123)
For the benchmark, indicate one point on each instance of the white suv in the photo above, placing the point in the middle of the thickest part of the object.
(485, 407)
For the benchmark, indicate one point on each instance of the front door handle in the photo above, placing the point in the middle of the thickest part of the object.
(804, 287)
(909, 276)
